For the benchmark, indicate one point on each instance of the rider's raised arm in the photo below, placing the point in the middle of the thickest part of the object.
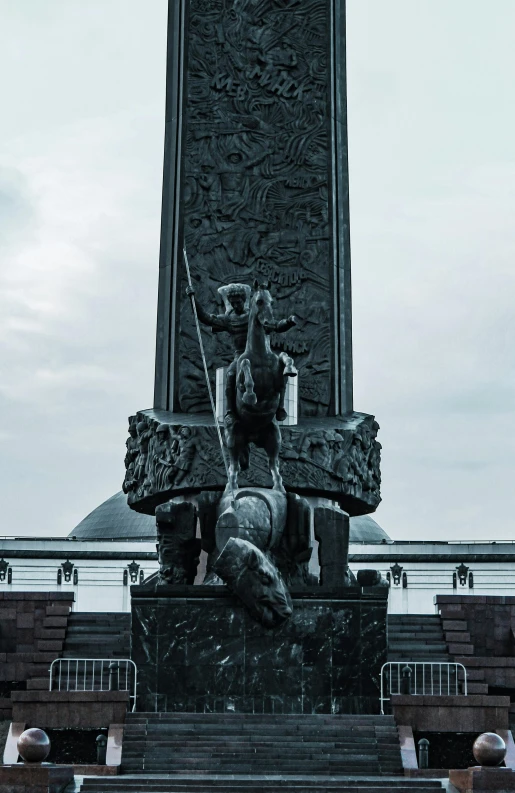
(205, 318)
(280, 326)
(213, 320)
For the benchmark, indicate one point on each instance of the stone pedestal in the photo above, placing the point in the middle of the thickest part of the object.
(483, 780)
(198, 650)
(44, 778)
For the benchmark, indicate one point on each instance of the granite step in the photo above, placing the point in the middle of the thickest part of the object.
(97, 629)
(425, 619)
(477, 688)
(419, 656)
(250, 738)
(162, 750)
(319, 718)
(235, 755)
(346, 787)
(98, 638)
(260, 768)
(406, 630)
(413, 627)
(259, 733)
(257, 739)
(478, 675)
(418, 621)
(245, 727)
(304, 741)
(111, 617)
(258, 784)
(273, 746)
(95, 649)
(413, 636)
(256, 743)
(257, 727)
(38, 683)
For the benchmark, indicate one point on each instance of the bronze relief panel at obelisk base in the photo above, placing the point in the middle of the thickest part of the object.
(255, 190)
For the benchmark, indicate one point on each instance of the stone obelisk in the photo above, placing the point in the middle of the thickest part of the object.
(256, 183)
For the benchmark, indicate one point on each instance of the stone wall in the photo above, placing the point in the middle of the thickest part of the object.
(32, 632)
(475, 713)
(60, 709)
(490, 624)
(479, 631)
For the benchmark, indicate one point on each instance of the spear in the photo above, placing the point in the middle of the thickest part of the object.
(210, 391)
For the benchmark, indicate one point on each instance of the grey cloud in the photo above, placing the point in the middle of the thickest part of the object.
(17, 207)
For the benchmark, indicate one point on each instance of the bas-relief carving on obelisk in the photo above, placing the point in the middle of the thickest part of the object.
(256, 185)
(254, 243)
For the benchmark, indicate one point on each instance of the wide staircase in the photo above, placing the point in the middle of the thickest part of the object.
(244, 743)
(97, 635)
(197, 753)
(417, 637)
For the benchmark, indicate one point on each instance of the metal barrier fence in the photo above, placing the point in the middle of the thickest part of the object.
(419, 678)
(94, 674)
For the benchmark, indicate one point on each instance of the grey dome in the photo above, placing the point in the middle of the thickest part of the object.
(115, 520)
(363, 528)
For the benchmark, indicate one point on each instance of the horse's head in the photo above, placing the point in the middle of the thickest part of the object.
(261, 303)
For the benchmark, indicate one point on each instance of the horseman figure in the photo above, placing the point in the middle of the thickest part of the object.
(256, 379)
(235, 321)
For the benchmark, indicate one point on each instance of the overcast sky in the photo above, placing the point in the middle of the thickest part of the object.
(432, 168)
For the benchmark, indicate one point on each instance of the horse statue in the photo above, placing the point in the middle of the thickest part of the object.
(260, 385)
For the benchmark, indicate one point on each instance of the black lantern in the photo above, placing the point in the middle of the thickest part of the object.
(396, 573)
(67, 570)
(133, 568)
(462, 573)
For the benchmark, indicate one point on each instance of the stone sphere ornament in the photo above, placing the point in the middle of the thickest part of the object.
(33, 745)
(489, 749)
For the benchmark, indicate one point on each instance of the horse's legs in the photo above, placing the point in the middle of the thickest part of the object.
(230, 390)
(249, 397)
(234, 470)
(234, 466)
(272, 446)
(289, 366)
(235, 445)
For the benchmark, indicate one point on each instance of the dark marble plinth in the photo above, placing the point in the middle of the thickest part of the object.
(198, 650)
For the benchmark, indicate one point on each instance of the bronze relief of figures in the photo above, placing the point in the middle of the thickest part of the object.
(341, 460)
(256, 176)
